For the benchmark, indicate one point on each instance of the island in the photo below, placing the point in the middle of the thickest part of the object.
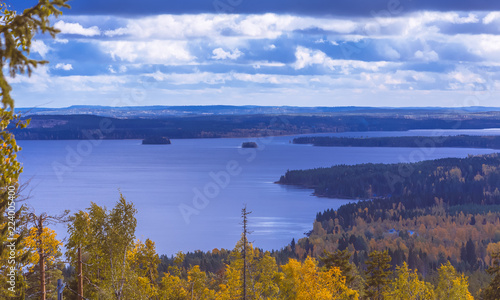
(156, 141)
(249, 145)
(457, 141)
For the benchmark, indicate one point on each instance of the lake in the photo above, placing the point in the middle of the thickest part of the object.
(189, 194)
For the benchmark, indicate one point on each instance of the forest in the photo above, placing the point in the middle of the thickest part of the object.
(462, 141)
(64, 127)
(470, 180)
(360, 262)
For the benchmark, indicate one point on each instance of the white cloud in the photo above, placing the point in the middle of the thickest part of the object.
(465, 76)
(39, 47)
(151, 52)
(61, 41)
(132, 45)
(348, 66)
(38, 81)
(219, 53)
(263, 26)
(267, 78)
(491, 17)
(259, 64)
(191, 78)
(65, 67)
(307, 57)
(76, 28)
(427, 55)
(486, 46)
(388, 52)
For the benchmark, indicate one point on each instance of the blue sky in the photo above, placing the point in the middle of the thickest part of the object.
(239, 52)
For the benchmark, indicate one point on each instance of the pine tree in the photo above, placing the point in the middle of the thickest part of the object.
(339, 259)
(244, 216)
(492, 292)
(377, 274)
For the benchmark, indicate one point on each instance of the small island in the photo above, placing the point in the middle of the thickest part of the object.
(156, 141)
(249, 145)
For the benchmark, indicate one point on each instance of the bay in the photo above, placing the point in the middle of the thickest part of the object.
(189, 194)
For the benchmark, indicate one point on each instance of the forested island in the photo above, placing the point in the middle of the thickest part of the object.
(156, 141)
(474, 179)
(458, 141)
(249, 145)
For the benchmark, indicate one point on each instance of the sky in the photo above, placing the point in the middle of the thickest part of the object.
(261, 52)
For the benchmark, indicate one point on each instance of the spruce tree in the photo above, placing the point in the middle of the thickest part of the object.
(493, 290)
(377, 274)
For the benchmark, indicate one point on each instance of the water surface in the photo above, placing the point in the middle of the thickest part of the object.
(161, 179)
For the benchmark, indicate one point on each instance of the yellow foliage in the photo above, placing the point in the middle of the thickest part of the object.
(304, 281)
(47, 242)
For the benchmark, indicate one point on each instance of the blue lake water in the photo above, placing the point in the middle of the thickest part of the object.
(189, 194)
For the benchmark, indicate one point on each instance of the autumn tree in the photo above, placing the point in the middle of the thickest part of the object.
(198, 283)
(407, 286)
(172, 288)
(452, 285)
(144, 262)
(105, 238)
(17, 32)
(377, 274)
(262, 274)
(45, 244)
(305, 281)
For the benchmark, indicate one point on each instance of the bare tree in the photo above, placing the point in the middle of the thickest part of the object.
(244, 214)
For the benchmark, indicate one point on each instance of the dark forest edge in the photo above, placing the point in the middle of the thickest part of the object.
(65, 127)
(474, 179)
(459, 141)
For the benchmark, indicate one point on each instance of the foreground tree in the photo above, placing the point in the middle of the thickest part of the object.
(493, 290)
(305, 281)
(144, 263)
(377, 274)
(339, 259)
(261, 274)
(105, 238)
(452, 285)
(407, 286)
(17, 32)
(43, 244)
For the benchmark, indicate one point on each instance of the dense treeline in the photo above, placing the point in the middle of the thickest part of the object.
(424, 214)
(58, 127)
(117, 266)
(462, 141)
(424, 239)
(474, 179)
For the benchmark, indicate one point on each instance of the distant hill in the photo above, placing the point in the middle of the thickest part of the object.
(169, 111)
